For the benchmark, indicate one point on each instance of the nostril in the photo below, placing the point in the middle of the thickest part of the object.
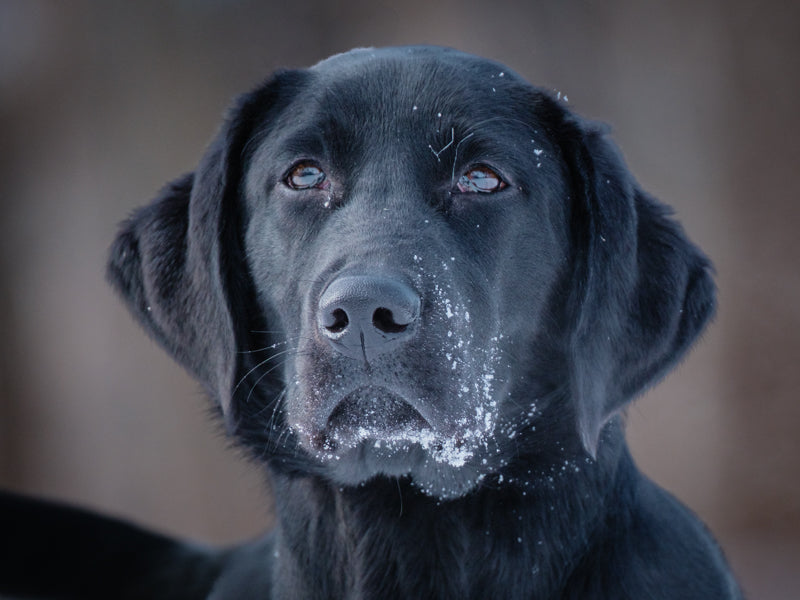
(337, 321)
(383, 320)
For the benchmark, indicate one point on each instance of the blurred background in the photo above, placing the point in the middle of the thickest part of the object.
(103, 102)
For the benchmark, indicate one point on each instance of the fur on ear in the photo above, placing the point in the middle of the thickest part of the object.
(177, 264)
(642, 292)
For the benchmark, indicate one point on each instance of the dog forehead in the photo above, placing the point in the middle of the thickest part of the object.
(410, 93)
(390, 78)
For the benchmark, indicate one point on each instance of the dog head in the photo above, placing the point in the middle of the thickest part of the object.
(410, 262)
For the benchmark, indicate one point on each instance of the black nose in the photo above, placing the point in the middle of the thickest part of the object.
(363, 316)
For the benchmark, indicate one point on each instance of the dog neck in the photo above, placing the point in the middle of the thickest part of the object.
(375, 540)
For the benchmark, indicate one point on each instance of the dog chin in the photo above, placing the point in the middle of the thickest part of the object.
(376, 432)
(439, 470)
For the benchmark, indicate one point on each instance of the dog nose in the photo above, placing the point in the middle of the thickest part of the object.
(363, 316)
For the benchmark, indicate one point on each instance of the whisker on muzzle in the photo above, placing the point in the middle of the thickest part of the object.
(269, 359)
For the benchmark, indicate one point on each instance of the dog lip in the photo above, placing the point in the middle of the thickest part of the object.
(371, 412)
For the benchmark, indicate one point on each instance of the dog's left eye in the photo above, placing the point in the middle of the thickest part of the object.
(305, 175)
(480, 179)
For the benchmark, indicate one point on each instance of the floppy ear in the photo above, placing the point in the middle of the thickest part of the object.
(177, 261)
(642, 291)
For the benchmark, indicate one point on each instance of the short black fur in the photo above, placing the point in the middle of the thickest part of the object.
(459, 432)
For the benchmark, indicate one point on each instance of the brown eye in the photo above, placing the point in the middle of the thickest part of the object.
(480, 179)
(306, 175)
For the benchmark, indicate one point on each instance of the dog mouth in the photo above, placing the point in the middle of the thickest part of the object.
(371, 413)
(376, 425)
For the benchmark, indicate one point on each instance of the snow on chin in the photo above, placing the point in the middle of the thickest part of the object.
(444, 468)
(454, 451)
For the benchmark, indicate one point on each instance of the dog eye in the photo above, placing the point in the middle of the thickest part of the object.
(481, 179)
(305, 175)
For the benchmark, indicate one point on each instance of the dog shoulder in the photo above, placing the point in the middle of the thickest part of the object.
(677, 548)
(654, 547)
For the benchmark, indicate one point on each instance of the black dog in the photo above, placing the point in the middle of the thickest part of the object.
(421, 292)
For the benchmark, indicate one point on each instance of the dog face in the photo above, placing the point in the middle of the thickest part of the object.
(411, 263)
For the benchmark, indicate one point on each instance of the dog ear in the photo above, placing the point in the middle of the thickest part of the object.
(642, 292)
(177, 263)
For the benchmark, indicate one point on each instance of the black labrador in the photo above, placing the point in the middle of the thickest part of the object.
(421, 293)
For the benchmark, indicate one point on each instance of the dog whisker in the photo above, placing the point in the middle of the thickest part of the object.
(262, 376)
(264, 349)
(445, 147)
(455, 158)
(261, 364)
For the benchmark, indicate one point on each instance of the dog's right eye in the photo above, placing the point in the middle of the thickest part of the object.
(306, 175)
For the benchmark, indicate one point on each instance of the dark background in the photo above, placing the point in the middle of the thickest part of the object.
(102, 102)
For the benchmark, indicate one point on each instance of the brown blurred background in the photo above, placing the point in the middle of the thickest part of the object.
(102, 102)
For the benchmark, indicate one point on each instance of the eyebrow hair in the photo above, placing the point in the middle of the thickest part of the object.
(303, 142)
(472, 143)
